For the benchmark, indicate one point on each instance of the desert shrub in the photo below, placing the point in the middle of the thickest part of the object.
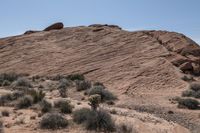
(94, 101)
(82, 85)
(10, 97)
(100, 121)
(99, 84)
(37, 95)
(53, 121)
(124, 128)
(191, 93)
(64, 106)
(74, 77)
(5, 113)
(187, 78)
(45, 106)
(22, 82)
(105, 94)
(195, 86)
(6, 83)
(188, 103)
(58, 77)
(1, 127)
(8, 76)
(25, 102)
(81, 115)
(62, 87)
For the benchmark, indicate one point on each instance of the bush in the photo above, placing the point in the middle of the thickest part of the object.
(53, 121)
(8, 76)
(195, 86)
(191, 93)
(99, 84)
(64, 106)
(94, 101)
(82, 85)
(1, 127)
(100, 121)
(188, 103)
(45, 106)
(5, 113)
(24, 102)
(74, 77)
(6, 83)
(62, 87)
(10, 97)
(21, 82)
(124, 128)
(81, 115)
(187, 78)
(36, 95)
(105, 94)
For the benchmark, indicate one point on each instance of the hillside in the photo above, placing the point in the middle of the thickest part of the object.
(143, 68)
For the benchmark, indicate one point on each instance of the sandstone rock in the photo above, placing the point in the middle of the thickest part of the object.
(56, 26)
(30, 32)
(187, 66)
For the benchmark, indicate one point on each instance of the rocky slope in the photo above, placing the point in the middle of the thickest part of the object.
(143, 68)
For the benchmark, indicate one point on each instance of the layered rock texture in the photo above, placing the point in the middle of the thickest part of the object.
(144, 68)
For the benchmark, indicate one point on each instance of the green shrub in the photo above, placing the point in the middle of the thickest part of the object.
(94, 101)
(22, 82)
(188, 103)
(45, 106)
(195, 86)
(82, 85)
(100, 121)
(62, 87)
(99, 84)
(105, 94)
(24, 102)
(74, 77)
(5, 113)
(81, 115)
(6, 83)
(53, 121)
(10, 97)
(191, 93)
(64, 106)
(37, 95)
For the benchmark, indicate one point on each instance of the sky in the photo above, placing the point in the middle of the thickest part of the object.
(17, 16)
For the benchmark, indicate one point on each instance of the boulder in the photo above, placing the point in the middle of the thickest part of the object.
(56, 26)
(30, 32)
(187, 66)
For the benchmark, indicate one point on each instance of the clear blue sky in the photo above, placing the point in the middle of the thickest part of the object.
(17, 16)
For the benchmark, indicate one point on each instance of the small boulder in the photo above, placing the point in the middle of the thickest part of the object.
(30, 32)
(56, 26)
(187, 66)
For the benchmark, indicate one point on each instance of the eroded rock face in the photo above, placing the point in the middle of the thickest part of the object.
(186, 67)
(56, 26)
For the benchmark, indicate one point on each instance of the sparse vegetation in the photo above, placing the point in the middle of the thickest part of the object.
(62, 87)
(22, 82)
(124, 128)
(8, 77)
(94, 101)
(99, 84)
(45, 106)
(53, 121)
(6, 83)
(82, 85)
(188, 103)
(10, 97)
(81, 115)
(5, 113)
(195, 86)
(37, 95)
(25, 102)
(105, 94)
(64, 106)
(187, 78)
(100, 121)
(74, 77)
